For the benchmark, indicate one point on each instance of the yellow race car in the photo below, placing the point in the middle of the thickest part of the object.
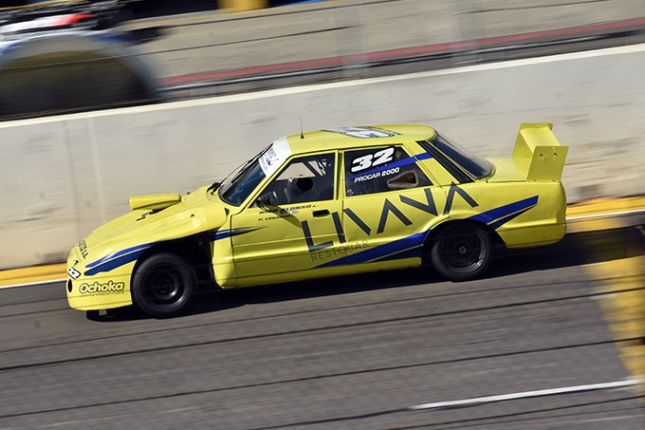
(327, 203)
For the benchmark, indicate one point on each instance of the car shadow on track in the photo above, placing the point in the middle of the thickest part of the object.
(574, 250)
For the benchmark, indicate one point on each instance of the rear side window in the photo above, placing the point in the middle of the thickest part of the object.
(378, 170)
(462, 163)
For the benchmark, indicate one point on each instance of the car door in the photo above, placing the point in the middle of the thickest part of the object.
(389, 203)
(294, 217)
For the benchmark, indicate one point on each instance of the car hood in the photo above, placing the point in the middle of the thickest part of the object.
(142, 228)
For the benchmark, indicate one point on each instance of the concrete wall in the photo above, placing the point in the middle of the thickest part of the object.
(63, 176)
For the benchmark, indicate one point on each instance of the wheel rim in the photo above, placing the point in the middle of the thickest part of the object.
(463, 252)
(164, 287)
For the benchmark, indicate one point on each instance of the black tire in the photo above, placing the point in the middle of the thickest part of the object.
(462, 252)
(164, 286)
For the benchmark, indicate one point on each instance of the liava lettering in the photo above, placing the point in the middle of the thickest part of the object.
(388, 208)
(339, 251)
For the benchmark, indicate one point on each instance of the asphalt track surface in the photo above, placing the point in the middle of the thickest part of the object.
(350, 353)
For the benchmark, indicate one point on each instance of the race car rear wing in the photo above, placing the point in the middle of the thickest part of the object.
(538, 155)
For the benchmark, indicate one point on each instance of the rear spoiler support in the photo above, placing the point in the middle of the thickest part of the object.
(538, 155)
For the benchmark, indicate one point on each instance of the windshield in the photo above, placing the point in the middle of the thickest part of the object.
(242, 181)
(240, 184)
(470, 162)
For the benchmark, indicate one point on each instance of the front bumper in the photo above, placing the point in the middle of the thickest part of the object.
(107, 290)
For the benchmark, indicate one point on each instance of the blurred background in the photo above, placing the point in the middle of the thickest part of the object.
(82, 55)
(104, 99)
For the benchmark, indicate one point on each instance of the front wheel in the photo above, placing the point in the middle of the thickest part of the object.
(164, 286)
(461, 252)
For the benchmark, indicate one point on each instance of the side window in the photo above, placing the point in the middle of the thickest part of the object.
(305, 179)
(379, 170)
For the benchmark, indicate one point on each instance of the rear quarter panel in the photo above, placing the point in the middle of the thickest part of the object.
(524, 214)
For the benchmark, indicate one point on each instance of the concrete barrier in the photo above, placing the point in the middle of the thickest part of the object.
(63, 176)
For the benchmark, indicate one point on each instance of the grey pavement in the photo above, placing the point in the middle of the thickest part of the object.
(217, 41)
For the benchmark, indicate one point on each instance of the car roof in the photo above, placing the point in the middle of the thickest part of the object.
(358, 137)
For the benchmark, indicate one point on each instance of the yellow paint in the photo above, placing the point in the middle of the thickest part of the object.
(32, 274)
(607, 206)
(594, 207)
(598, 224)
(242, 5)
(623, 285)
(256, 240)
(154, 202)
(538, 155)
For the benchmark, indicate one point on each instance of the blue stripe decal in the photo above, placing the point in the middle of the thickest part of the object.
(408, 253)
(498, 216)
(114, 263)
(500, 222)
(399, 163)
(382, 251)
(223, 234)
(120, 254)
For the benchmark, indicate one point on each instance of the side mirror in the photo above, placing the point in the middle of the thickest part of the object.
(267, 199)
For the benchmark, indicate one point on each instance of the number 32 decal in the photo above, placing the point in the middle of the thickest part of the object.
(372, 160)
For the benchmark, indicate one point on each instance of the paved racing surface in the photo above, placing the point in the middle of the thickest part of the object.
(351, 353)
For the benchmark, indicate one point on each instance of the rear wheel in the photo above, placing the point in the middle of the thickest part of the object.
(164, 286)
(461, 252)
